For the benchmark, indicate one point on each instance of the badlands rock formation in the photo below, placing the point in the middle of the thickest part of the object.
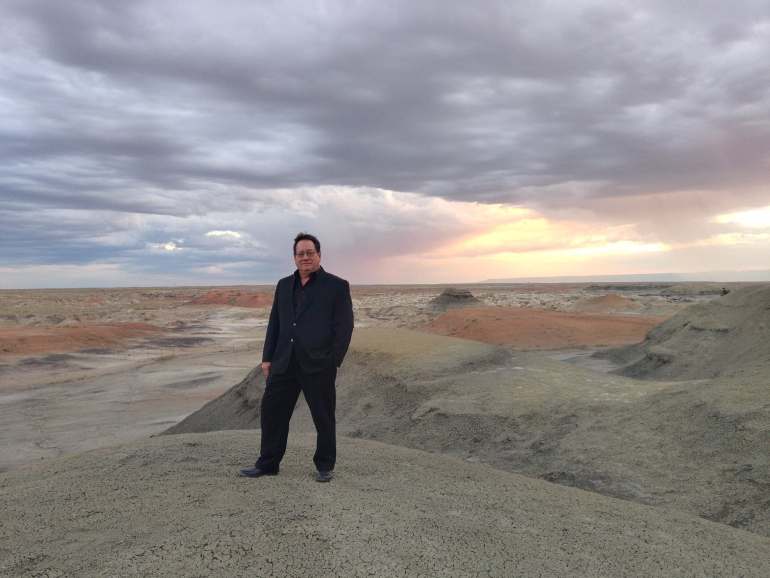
(699, 447)
(452, 297)
(461, 419)
(729, 336)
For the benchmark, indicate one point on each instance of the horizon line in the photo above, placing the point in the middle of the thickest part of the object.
(749, 276)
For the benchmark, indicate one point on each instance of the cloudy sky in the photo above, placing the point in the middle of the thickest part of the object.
(186, 142)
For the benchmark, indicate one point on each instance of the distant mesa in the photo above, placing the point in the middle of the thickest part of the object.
(453, 297)
(727, 336)
(629, 287)
(690, 289)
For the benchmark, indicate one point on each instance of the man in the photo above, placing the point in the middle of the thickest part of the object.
(308, 334)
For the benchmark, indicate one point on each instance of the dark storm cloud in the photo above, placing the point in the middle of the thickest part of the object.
(187, 108)
(471, 100)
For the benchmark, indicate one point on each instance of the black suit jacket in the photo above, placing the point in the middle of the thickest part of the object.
(318, 333)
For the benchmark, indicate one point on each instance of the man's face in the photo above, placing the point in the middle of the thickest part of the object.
(306, 257)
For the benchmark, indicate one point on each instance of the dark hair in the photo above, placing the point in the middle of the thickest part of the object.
(307, 237)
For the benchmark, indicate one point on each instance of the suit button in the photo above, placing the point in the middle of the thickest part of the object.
(294, 324)
(292, 340)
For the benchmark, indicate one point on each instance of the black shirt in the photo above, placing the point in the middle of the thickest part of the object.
(300, 291)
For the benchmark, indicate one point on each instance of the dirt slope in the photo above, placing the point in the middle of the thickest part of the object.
(173, 506)
(729, 336)
(700, 447)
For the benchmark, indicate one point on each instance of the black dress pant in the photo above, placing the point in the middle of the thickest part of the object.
(278, 402)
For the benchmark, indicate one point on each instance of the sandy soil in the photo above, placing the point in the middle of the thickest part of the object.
(116, 404)
(36, 340)
(173, 506)
(540, 329)
(234, 298)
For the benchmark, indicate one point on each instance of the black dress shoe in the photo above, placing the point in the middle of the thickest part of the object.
(324, 476)
(257, 472)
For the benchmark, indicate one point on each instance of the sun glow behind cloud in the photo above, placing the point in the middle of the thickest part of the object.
(531, 232)
(751, 219)
(733, 239)
(617, 248)
(535, 234)
(499, 241)
(396, 237)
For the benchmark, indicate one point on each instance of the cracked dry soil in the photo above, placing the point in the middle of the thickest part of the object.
(174, 506)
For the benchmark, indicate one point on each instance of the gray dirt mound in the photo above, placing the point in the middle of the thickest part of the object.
(728, 336)
(237, 408)
(173, 506)
(693, 446)
(452, 297)
(404, 353)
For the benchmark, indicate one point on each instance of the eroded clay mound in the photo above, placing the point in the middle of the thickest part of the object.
(374, 352)
(452, 297)
(237, 408)
(694, 447)
(727, 336)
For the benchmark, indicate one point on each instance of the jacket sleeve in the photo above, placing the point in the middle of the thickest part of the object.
(342, 323)
(273, 330)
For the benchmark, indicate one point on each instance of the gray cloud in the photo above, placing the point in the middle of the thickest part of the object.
(481, 99)
(187, 108)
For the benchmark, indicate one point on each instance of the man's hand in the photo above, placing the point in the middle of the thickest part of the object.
(266, 368)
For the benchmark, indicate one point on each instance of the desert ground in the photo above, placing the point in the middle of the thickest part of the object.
(489, 429)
